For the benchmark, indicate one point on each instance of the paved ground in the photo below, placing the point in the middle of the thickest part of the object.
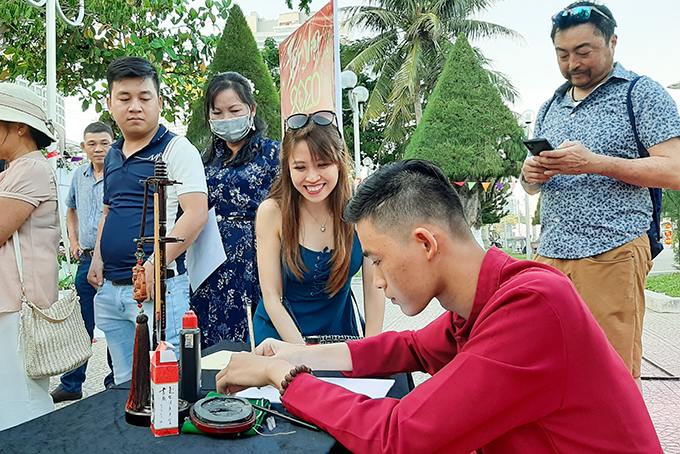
(661, 342)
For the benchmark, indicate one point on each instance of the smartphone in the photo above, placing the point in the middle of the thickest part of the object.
(535, 146)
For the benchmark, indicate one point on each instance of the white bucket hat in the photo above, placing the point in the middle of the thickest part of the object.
(20, 105)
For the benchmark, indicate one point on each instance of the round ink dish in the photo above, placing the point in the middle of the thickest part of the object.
(223, 415)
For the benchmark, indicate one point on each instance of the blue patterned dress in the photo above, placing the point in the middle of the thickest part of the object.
(235, 193)
(315, 310)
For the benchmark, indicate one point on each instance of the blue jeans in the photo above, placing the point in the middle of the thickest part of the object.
(73, 381)
(116, 312)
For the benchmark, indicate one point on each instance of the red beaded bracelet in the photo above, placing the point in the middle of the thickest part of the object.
(297, 370)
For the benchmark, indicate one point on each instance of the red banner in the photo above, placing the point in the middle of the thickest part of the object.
(308, 66)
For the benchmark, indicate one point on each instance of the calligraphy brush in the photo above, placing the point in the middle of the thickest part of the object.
(290, 419)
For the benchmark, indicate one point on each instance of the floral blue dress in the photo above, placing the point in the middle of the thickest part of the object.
(235, 193)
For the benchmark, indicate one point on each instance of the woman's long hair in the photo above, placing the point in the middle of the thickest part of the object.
(242, 87)
(326, 145)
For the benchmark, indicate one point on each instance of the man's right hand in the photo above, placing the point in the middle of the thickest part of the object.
(534, 172)
(76, 250)
(95, 276)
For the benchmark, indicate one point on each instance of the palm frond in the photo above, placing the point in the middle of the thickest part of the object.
(456, 9)
(475, 29)
(371, 19)
(509, 94)
(426, 24)
(376, 52)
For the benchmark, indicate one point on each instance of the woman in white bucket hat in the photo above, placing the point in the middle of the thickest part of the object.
(28, 204)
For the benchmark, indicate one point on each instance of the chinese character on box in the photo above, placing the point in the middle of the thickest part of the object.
(164, 397)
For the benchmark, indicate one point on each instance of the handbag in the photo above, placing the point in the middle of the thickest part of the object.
(54, 340)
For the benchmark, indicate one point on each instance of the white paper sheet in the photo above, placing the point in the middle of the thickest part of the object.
(206, 254)
(374, 388)
(217, 360)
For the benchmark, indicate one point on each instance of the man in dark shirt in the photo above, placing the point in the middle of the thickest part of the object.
(135, 103)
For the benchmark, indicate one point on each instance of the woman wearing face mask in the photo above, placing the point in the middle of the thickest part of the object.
(240, 166)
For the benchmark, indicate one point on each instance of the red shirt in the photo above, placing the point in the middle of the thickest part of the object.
(530, 371)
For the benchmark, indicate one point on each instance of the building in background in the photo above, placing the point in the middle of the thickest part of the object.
(279, 29)
(41, 91)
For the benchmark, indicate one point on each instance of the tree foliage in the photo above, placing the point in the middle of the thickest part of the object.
(303, 5)
(237, 51)
(408, 49)
(494, 204)
(670, 208)
(167, 32)
(467, 129)
(270, 55)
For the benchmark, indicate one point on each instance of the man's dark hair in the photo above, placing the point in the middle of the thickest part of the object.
(603, 26)
(97, 127)
(404, 193)
(127, 67)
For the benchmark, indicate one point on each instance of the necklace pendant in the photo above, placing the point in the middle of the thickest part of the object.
(322, 228)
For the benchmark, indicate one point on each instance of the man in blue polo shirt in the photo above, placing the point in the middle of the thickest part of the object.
(596, 206)
(135, 103)
(85, 206)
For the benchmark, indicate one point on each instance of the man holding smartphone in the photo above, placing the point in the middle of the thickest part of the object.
(596, 206)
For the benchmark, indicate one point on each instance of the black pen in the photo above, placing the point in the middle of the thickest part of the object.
(286, 417)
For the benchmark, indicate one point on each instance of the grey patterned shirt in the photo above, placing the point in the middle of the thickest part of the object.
(586, 215)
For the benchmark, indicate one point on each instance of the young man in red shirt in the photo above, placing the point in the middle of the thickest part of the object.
(518, 363)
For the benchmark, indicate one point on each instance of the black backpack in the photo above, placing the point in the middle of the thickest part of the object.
(654, 232)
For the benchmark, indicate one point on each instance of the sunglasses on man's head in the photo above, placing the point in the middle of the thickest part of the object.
(576, 15)
(321, 118)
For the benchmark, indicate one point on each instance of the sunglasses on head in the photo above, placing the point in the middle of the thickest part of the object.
(576, 15)
(321, 118)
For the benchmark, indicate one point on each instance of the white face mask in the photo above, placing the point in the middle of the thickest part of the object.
(231, 130)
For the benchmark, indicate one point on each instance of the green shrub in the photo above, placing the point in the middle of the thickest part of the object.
(665, 283)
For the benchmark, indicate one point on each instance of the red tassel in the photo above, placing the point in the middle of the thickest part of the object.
(140, 387)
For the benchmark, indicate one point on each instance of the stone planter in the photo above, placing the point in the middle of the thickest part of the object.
(660, 302)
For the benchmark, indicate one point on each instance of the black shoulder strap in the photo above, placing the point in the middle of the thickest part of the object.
(547, 107)
(629, 105)
(559, 92)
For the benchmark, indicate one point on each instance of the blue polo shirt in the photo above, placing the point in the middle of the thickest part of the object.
(124, 195)
(586, 215)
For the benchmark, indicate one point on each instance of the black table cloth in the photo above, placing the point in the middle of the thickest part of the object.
(97, 425)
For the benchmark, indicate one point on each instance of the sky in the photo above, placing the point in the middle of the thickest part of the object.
(648, 44)
(648, 41)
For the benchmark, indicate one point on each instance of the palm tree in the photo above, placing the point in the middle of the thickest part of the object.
(408, 52)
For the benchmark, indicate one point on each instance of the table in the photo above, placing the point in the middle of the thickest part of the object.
(97, 425)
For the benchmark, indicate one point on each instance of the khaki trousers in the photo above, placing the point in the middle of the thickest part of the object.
(612, 285)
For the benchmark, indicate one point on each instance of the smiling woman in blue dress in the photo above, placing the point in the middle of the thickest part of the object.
(306, 253)
(240, 166)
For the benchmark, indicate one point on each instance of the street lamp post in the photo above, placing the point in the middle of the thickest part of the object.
(527, 118)
(52, 8)
(357, 95)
